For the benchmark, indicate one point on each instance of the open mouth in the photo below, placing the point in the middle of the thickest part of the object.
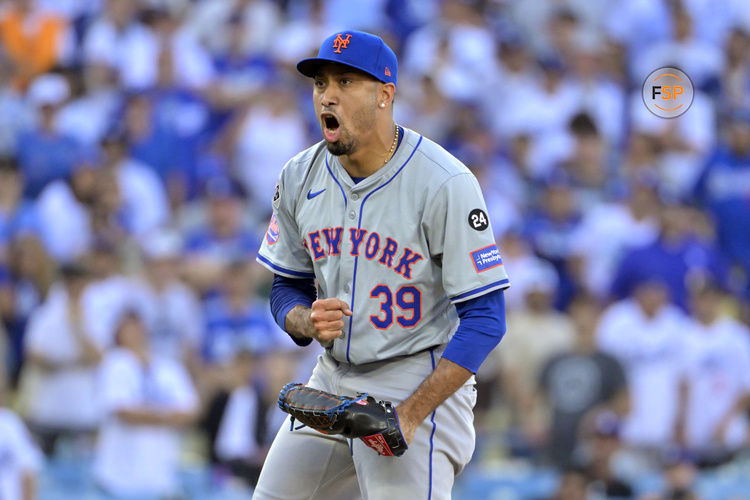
(330, 126)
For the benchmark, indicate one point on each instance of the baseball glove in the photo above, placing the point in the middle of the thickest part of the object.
(375, 422)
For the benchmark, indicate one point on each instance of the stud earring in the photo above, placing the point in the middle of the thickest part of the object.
(382, 104)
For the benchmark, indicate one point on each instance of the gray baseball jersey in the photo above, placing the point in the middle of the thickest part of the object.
(400, 246)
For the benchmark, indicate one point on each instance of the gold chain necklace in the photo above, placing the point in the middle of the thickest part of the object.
(393, 147)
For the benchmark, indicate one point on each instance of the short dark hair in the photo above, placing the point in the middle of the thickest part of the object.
(582, 125)
(9, 164)
(74, 271)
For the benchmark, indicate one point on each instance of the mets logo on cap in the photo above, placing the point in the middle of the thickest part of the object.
(341, 43)
(272, 235)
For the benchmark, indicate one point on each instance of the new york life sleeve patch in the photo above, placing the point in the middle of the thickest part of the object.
(272, 235)
(486, 258)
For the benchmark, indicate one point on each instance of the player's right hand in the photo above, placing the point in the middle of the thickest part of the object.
(327, 317)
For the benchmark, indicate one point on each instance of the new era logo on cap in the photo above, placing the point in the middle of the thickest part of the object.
(360, 50)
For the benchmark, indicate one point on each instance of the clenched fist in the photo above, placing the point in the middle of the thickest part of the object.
(324, 321)
(327, 317)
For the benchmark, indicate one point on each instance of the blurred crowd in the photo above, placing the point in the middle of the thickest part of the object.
(140, 142)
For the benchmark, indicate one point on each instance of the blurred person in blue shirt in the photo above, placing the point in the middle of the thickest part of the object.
(184, 116)
(550, 231)
(238, 325)
(223, 237)
(240, 71)
(237, 318)
(680, 257)
(44, 153)
(24, 284)
(152, 142)
(724, 189)
(240, 75)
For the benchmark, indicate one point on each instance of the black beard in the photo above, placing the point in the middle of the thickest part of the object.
(339, 148)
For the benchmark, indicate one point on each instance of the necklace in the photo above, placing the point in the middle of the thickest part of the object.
(393, 147)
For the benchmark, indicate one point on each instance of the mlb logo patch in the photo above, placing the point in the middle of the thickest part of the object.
(272, 235)
(486, 258)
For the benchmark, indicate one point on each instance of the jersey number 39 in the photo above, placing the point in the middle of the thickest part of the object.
(408, 300)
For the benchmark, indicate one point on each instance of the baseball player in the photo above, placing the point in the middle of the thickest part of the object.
(383, 252)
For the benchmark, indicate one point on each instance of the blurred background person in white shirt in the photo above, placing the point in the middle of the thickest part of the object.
(63, 354)
(20, 459)
(147, 401)
(716, 368)
(646, 334)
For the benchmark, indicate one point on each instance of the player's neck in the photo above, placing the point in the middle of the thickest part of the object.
(373, 153)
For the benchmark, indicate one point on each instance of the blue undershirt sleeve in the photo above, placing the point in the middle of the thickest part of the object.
(287, 293)
(481, 326)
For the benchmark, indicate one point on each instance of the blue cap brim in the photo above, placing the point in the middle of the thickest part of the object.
(309, 66)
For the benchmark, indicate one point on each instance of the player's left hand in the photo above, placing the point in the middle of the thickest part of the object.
(374, 422)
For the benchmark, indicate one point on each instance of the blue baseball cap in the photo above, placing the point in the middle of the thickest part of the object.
(360, 50)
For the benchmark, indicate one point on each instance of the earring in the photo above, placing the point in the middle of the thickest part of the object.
(382, 104)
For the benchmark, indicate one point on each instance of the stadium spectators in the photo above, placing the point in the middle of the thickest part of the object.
(723, 188)
(143, 205)
(146, 400)
(646, 334)
(20, 459)
(240, 340)
(17, 213)
(716, 367)
(33, 38)
(172, 310)
(680, 257)
(577, 382)
(222, 237)
(68, 238)
(63, 354)
(610, 229)
(24, 286)
(600, 451)
(44, 152)
(538, 332)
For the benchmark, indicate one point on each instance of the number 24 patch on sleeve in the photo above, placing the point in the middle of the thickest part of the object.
(486, 258)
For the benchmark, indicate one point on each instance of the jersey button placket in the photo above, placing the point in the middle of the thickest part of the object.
(352, 214)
